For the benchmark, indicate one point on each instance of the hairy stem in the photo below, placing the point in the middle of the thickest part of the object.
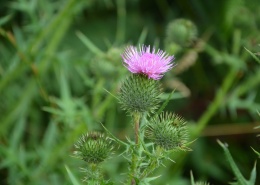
(94, 177)
(134, 166)
(136, 127)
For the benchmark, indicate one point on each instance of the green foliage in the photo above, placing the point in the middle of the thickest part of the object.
(240, 179)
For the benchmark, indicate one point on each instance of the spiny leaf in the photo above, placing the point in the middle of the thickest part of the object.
(233, 165)
(252, 176)
(253, 55)
(192, 178)
(256, 152)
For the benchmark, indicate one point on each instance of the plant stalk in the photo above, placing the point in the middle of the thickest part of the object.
(136, 127)
(220, 97)
(134, 165)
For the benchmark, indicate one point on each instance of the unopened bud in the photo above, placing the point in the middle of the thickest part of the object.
(93, 147)
(140, 94)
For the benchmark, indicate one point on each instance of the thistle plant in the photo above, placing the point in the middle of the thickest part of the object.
(156, 133)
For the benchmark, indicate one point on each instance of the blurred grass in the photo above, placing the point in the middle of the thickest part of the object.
(58, 58)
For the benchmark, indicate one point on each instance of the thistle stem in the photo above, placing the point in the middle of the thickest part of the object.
(134, 163)
(136, 127)
(203, 121)
(94, 175)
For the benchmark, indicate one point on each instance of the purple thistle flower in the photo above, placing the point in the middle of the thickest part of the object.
(153, 64)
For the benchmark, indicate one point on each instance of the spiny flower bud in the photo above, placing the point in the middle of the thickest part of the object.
(182, 32)
(168, 131)
(93, 147)
(139, 94)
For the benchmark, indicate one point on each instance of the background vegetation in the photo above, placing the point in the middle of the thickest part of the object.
(58, 58)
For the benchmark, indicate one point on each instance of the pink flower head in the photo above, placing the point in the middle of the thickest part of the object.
(143, 61)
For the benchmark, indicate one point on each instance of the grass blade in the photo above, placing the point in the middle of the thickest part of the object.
(72, 177)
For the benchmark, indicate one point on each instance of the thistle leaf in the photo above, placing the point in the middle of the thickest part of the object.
(253, 55)
(252, 176)
(240, 179)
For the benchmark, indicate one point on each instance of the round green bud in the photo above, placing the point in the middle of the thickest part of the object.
(168, 131)
(182, 32)
(139, 94)
(93, 147)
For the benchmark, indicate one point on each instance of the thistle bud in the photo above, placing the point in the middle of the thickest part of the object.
(139, 94)
(168, 131)
(93, 147)
(182, 32)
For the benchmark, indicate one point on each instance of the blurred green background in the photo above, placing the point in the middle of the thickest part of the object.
(58, 59)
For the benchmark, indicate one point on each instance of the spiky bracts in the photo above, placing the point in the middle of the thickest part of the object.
(168, 131)
(138, 94)
(93, 147)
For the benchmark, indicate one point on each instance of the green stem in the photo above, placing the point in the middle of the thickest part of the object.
(136, 127)
(202, 122)
(134, 162)
(229, 79)
(96, 176)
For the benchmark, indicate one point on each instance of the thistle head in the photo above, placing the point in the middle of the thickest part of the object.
(152, 64)
(138, 94)
(168, 131)
(93, 147)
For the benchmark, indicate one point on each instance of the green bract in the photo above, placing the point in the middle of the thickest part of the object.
(139, 94)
